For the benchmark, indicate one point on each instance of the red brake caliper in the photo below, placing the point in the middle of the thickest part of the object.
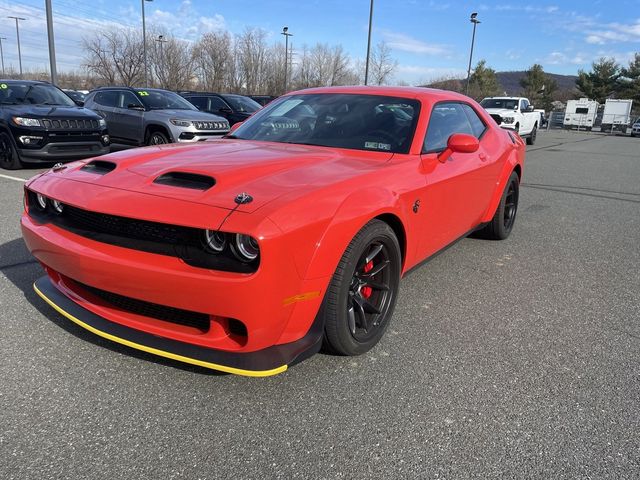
(367, 291)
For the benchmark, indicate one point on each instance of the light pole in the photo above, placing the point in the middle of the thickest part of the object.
(52, 47)
(144, 44)
(285, 32)
(475, 22)
(2, 54)
(366, 68)
(17, 19)
(161, 40)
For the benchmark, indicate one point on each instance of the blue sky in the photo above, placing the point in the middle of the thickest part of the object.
(429, 39)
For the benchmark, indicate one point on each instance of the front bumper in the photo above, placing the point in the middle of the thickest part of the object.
(262, 363)
(64, 151)
(275, 305)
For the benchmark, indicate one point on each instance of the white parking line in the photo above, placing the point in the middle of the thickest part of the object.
(9, 177)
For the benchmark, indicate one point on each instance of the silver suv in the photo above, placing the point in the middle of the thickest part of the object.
(150, 116)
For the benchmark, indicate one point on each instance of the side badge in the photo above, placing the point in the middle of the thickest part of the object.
(416, 206)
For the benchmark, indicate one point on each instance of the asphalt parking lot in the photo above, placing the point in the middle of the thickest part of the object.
(514, 359)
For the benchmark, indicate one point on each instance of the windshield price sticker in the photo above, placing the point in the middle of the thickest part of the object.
(143, 94)
(377, 145)
(3, 86)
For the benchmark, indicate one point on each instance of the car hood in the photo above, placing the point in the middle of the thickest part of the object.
(49, 111)
(188, 115)
(264, 170)
(501, 111)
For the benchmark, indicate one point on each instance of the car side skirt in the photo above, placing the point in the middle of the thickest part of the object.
(262, 363)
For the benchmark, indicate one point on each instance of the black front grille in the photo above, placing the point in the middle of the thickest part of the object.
(152, 310)
(70, 124)
(128, 227)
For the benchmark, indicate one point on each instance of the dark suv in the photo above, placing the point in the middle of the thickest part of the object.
(151, 116)
(40, 123)
(235, 108)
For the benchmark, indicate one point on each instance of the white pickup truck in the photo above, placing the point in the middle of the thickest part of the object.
(514, 113)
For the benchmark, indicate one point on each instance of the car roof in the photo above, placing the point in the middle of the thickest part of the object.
(33, 82)
(131, 88)
(408, 92)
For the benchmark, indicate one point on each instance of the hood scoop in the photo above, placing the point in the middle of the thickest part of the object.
(99, 167)
(193, 181)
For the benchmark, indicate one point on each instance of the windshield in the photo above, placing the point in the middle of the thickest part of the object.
(242, 104)
(17, 93)
(361, 122)
(75, 95)
(507, 103)
(163, 100)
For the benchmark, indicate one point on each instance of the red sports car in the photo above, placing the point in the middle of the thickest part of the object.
(249, 253)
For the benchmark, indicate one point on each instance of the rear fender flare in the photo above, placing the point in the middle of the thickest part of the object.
(509, 166)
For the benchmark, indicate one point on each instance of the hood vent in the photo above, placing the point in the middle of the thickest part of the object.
(186, 180)
(99, 167)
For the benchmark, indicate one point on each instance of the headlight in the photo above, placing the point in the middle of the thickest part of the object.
(57, 206)
(42, 201)
(180, 123)
(27, 122)
(214, 240)
(507, 119)
(102, 123)
(246, 248)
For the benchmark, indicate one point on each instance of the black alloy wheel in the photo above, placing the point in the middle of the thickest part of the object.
(359, 303)
(157, 138)
(503, 220)
(9, 159)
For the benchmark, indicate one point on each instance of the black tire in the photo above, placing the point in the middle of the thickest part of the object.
(503, 220)
(531, 139)
(9, 158)
(156, 137)
(361, 297)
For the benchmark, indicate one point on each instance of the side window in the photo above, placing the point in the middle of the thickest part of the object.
(477, 125)
(446, 119)
(108, 98)
(523, 105)
(200, 102)
(127, 98)
(217, 103)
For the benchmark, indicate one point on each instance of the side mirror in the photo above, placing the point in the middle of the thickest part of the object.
(459, 143)
(79, 103)
(137, 108)
(529, 108)
(234, 127)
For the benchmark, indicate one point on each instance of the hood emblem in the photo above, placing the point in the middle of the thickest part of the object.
(243, 198)
(58, 166)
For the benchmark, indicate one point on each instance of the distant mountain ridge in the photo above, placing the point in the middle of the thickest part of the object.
(510, 81)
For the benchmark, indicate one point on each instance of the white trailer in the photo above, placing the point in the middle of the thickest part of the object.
(617, 115)
(581, 114)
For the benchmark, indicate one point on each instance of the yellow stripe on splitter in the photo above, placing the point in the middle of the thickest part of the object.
(162, 353)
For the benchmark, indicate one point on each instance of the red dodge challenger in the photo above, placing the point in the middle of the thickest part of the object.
(249, 253)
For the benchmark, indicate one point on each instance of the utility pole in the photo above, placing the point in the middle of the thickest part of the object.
(144, 45)
(2, 54)
(52, 47)
(475, 22)
(366, 69)
(285, 32)
(17, 19)
(161, 40)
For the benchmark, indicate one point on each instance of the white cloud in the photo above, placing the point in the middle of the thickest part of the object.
(405, 43)
(615, 33)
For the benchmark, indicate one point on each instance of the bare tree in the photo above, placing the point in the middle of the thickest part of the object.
(171, 62)
(252, 56)
(115, 55)
(213, 59)
(382, 64)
